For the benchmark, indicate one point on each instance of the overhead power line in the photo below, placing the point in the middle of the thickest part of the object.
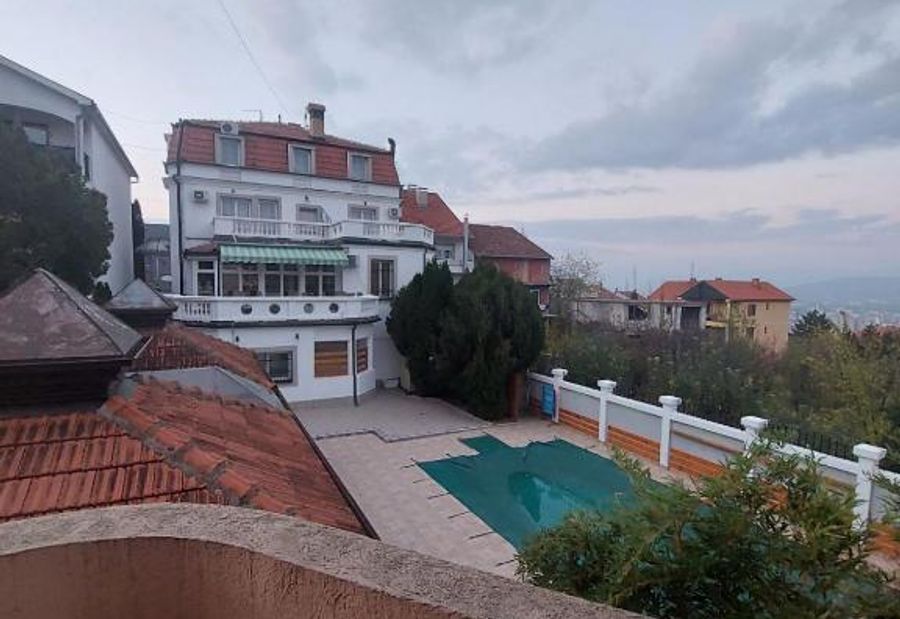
(256, 65)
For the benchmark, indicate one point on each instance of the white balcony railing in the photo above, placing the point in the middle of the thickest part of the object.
(311, 231)
(199, 309)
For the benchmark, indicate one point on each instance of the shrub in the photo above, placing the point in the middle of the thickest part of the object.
(764, 539)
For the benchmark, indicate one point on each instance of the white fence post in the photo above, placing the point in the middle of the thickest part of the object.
(868, 457)
(753, 427)
(558, 375)
(607, 387)
(670, 405)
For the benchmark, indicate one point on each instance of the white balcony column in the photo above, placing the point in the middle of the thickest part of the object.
(670, 404)
(868, 457)
(559, 374)
(607, 388)
(753, 427)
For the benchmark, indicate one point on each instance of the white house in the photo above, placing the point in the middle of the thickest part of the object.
(55, 117)
(288, 241)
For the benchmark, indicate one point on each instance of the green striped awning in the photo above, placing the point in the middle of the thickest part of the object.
(282, 254)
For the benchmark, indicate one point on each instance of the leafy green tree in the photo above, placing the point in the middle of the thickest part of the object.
(764, 539)
(813, 322)
(571, 277)
(137, 239)
(48, 217)
(416, 325)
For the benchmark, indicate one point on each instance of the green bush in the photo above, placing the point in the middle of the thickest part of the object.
(466, 341)
(765, 539)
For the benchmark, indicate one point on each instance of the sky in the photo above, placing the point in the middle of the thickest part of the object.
(733, 139)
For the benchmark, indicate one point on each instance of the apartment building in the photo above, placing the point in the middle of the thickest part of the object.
(289, 241)
(754, 309)
(70, 125)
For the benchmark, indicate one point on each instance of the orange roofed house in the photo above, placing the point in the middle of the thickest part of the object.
(754, 309)
(95, 414)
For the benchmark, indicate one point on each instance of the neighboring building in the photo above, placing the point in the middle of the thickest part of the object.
(514, 254)
(629, 310)
(156, 251)
(753, 309)
(70, 124)
(451, 242)
(93, 414)
(289, 241)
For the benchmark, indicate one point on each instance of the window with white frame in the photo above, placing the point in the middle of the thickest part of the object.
(319, 280)
(362, 213)
(229, 150)
(249, 208)
(240, 280)
(278, 364)
(301, 159)
(311, 214)
(381, 277)
(360, 167)
(206, 278)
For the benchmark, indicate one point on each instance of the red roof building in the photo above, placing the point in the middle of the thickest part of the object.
(266, 148)
(420, 206)
(514, 254)
(151, 440)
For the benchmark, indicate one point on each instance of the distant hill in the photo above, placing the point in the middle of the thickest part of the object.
(868, 299)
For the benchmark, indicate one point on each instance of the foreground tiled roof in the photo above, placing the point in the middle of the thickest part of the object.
(157, 442)
(43, 319)
(503, 242)
(179, 347)
(435, 214)
(255, 455)
(57, 461)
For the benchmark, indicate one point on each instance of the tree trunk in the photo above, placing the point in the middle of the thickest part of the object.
(515, 387)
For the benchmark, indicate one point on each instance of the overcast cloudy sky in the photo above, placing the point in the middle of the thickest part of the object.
(747, 138)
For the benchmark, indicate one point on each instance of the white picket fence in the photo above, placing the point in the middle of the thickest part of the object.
(708, 441)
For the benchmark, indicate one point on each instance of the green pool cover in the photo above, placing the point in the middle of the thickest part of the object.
(519, 490)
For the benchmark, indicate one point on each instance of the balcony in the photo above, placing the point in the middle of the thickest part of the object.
(205, 561)
(221, 310)
(394, 231)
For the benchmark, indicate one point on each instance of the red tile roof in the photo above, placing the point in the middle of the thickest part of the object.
(435, 214)
(255, 455)
(157, 442)
(74, 460)
(266, 148)
(180, 347)
(672, 290)
(503, 242)
(735, 290)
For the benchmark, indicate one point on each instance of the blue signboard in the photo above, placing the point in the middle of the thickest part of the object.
(548, 400)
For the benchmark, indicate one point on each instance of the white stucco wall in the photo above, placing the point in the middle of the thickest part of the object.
(39, 103)
(301, 341)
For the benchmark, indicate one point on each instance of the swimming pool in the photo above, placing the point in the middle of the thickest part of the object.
(519, 490)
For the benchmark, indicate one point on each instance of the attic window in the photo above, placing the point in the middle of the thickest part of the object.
(301, 160)
(360, 167)
(229, 150)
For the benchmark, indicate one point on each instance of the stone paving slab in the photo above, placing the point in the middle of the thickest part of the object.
(390, 413)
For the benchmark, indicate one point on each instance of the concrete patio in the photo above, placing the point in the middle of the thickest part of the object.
(390, 414)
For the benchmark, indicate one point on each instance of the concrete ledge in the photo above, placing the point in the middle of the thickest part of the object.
(213, 561)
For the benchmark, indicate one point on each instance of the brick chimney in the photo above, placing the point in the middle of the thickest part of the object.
(315, 113)
(421, 197)
(756, 282)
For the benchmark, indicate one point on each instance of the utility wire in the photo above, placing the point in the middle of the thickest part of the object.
(256, 65)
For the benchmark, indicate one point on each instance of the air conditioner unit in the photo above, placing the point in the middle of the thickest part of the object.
(394, 213)
(228, 128)
(200, 195)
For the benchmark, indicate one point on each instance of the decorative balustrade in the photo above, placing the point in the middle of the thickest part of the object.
(267, 228)
(210, 310)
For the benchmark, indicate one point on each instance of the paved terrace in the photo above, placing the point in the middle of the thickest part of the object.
(404, 505)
